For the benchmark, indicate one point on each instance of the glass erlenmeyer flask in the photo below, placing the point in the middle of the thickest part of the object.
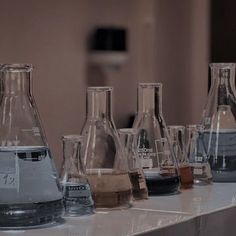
(196, 153)
(106, 165)
(76, 189)
(177, 136)
(219, 135)
(154, 148)
(129, 143)
(29, 185)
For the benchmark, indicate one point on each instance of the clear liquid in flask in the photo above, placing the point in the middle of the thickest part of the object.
(32, 193)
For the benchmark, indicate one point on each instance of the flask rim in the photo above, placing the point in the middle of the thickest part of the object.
(72, 138)
(176, 127)
(150, 85)
(100, 88)
(127, 131)
(17, 67)
(222, 65)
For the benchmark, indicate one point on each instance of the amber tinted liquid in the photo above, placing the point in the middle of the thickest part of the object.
(110, 189)
(139, 187)
(186, 176)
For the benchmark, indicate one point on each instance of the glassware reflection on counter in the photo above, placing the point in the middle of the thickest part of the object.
(153, 141)
(106, 165)
(76, 189)
(196, 152)
(29, 184)
(219, 123)
(128, 141)
(177, 136)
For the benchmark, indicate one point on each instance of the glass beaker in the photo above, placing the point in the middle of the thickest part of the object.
(196, 153)
(106, 165)
(76, 189)
(29, 184)
(177, 136)
(128, 141)
(219, 135)
(153, 141)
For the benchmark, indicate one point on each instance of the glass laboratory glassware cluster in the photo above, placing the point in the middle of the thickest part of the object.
(104, 168)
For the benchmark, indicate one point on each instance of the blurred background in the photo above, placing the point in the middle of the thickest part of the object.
(168, 41)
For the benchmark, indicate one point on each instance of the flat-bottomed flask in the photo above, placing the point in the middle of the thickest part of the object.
(219, 135)
(128, 141)
(196, 153)
(76, 189)
(157, 158)
(106, 165)
(29, 185)
(177, 136)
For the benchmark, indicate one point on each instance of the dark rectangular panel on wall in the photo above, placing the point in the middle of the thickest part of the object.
(223, 30)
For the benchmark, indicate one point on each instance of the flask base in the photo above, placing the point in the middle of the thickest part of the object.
(30, 215)
(224, 176)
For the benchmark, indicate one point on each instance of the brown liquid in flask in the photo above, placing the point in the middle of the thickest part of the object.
(186, 176)
(177, 135)
(111, 189)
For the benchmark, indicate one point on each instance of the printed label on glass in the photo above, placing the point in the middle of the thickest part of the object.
(145, 156)
(80, 192)
(9, 171)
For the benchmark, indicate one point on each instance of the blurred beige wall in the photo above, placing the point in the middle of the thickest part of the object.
(167, 41)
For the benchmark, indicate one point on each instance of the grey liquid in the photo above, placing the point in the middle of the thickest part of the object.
(29, 187)
(222, 155)
(78, 199)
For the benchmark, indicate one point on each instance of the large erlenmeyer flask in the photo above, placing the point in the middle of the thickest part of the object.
(106, 165)
(154, 147)
(29, 188)
(219, 136)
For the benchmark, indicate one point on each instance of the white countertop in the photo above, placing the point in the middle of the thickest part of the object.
(159, 214)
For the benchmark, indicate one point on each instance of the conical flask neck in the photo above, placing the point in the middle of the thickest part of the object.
(72, 161)
(99, 104)
(150, 98)
(15, 79)
(223, 84)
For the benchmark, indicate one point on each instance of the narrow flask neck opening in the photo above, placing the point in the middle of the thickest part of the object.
(15, 82)
(223, 82)
(99, 103)
(150, 100)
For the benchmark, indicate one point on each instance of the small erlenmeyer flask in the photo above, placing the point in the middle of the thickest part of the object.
(106, 165)
(76, 189)
(196, 153)
(29, 184)
(154, 148)
(128, 141)
(177, 136)
(219, 123)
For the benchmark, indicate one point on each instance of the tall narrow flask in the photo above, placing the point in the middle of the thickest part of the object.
(128, 141)
(76, 189)
(177, 136)
(158, 161)
(106, 165)
(219, 135)
(30, 192)
(196, 153)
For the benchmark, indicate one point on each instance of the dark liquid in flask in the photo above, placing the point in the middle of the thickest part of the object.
(162, 184)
